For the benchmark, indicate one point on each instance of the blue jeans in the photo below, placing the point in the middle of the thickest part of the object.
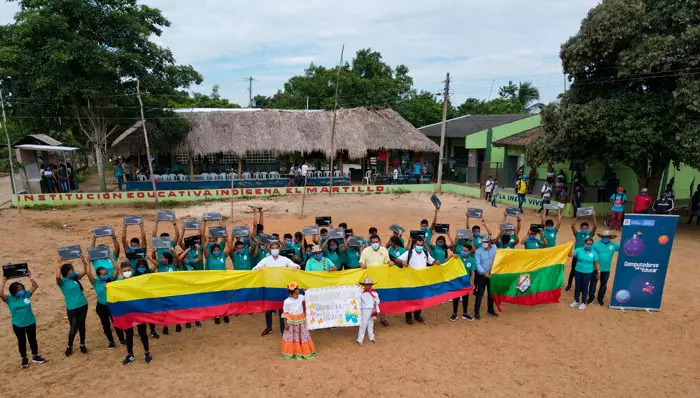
(583, 281)
(120, 182)
(64, 186)
(521, 200)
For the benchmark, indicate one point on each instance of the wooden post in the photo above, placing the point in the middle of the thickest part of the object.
(386, 164)
(340, 163)
(240, 167)
(190, 160)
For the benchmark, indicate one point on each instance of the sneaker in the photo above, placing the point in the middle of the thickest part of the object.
(148, 358)
(590, 300)
(122, 342)
(601, 302)
(384, 322)
(165, 330)
(111, 345)
(38, 359)
(198, 324)
(69, 351)
(226, 320)
(467, 317)
(582, 307)
(477, 317)
(409, 321)
(155, 335)
(567, 288)
(453, 318)
(217, 320)
(178, 329)
(128, 360)
(188, 326)
(493, 314)
(83, 349)
(25, 363)
(574, 304)
(266, 332)
(420, 319)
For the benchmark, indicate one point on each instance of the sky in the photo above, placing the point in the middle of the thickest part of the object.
(482, 44)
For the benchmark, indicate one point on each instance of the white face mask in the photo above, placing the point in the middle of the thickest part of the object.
(485, 245)
(275, 252)
(127, 274)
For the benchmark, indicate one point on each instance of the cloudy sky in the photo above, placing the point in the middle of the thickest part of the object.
(476, 41)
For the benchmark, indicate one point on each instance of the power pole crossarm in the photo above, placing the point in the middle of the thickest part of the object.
(446, 100)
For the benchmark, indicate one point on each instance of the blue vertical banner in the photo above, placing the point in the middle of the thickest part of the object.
(640, 272)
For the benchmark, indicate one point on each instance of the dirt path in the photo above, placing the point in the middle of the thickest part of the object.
(548, 350)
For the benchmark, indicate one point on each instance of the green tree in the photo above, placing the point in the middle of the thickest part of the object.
(524, 94)
(634, 96)
(497, 106)
(421, 109)
(198, 100)
(74, 66)
(262, 101)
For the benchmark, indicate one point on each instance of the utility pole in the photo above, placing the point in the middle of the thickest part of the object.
(445, 104)
(250, 90)
(307, 102)
(148, 148)
(335, 110)
(9, 147)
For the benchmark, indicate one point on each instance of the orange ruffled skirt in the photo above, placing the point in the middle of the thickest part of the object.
(296, 340)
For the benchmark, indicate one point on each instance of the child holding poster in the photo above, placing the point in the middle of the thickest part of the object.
(369, 309)
(296, 340)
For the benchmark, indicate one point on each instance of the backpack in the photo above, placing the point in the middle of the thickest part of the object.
(410, 253)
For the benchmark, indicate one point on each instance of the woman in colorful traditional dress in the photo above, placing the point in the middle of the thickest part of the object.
(296, 340)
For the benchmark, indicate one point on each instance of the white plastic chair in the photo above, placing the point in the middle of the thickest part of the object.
(246, 176)
(181, 177)
(212, 177)
(162, 177)
(256, 175)
(336, 173)
(263, 175)
(172, 177)
(224, 177)
(347, 174)
(234, 176)
(229, 177)
(326, 174)
(274, 175)
(141, 178)
(368, 177)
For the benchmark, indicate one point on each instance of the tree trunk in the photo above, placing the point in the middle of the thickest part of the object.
(649, 177)
(100, 168)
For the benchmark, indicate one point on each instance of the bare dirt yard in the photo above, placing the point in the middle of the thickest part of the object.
(545, 351)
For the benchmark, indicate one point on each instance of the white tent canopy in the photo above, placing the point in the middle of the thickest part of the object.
(46, 148)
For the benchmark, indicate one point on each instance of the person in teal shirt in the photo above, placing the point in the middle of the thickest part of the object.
(194, 256)
(119, 174)
(22, 317)
(242, 257)
(318, 262)
(534, 239)
(396, 248)
(439, 250)
(551, 230)
(586, 264)
(352, 257)
(333, 252)
(187, 262)
(427, 228)
(507, 239)
(134, 244)
(76, 305)
(215, 260)
(580, 237)
(159, 252)
(106, 262)
(605, 248)
(466, 254)
(128, 272)
(99, 283)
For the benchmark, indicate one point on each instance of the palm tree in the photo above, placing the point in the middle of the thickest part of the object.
(523, 93)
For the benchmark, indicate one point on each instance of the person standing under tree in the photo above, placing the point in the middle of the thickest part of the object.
(664, 205)
(532, 176)
(119, 174)
(617, 211)
(605, 248)
(642, 202)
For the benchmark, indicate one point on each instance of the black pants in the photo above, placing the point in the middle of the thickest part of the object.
(482, 284)
(414, 314)
(106, 319)
(604, 276)
(571, 273)
(130, 338)
(544, 202)
(465, 304)
(268, 320)
(24, 334)
(76, 318)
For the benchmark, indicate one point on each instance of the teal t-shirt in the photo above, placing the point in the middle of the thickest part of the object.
(312, 265)
(469, 263)
(581, 238)
(297, 249)
(106, 264)
(159, 252)
(533, 243)
(585, 260)
(618, 200)
(241, 262)
(352, 258)
(21, 310)
(100, 291)
(334, 257)
(509, 245)
(215, 263)
(395, 253)
(74, 296)
(605, 254)
(163, 267)
(429, 235)
(192, 255)
(438, 253)
(551, 235)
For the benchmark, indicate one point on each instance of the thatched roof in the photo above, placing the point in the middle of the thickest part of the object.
(357, 130)
(520, 139)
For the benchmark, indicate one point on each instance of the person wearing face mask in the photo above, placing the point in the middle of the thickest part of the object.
(535, 239)
(605, 248)
(134, 243)
(334, 251)
(194, 257)
(299, 247)
(418, 257)
(375, 256)
(617, 210)
(508, 238)
(274, 260)
(23, 321)
(395, 247)
(215, 260)
(426, 227)
(99, 283)
(642, 202)
(587, 268)
(76, 305)
(466, 254)
(142, 268)
(242, 256)
(127, 272)
(395, 236)
(484, 257)
(439, 250)
(580, 237)
(476, 232)
(165, 263)
(106, 263)
(167, 235)
(550, 230)
(187, 263)
(321, 237)
(318, 262)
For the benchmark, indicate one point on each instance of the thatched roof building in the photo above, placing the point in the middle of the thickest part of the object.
(357, 131)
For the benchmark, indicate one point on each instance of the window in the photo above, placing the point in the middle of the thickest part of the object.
(182, 158)
(229, 158)
(211, 158)
(261, 157)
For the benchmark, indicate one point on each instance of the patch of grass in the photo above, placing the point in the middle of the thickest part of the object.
(51, 225)
(397, 191)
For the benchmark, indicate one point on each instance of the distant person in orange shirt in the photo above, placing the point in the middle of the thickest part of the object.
(642, 201)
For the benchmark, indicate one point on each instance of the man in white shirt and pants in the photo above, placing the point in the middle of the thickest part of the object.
(418, 257)
(274, 260)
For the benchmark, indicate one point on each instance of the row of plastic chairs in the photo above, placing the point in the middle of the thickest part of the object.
(214, 176)
(327, 174)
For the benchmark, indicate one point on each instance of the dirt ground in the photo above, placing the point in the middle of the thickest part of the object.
(549, 350)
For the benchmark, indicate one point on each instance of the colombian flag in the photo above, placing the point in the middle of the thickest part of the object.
(179, 297)
(529, 277)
